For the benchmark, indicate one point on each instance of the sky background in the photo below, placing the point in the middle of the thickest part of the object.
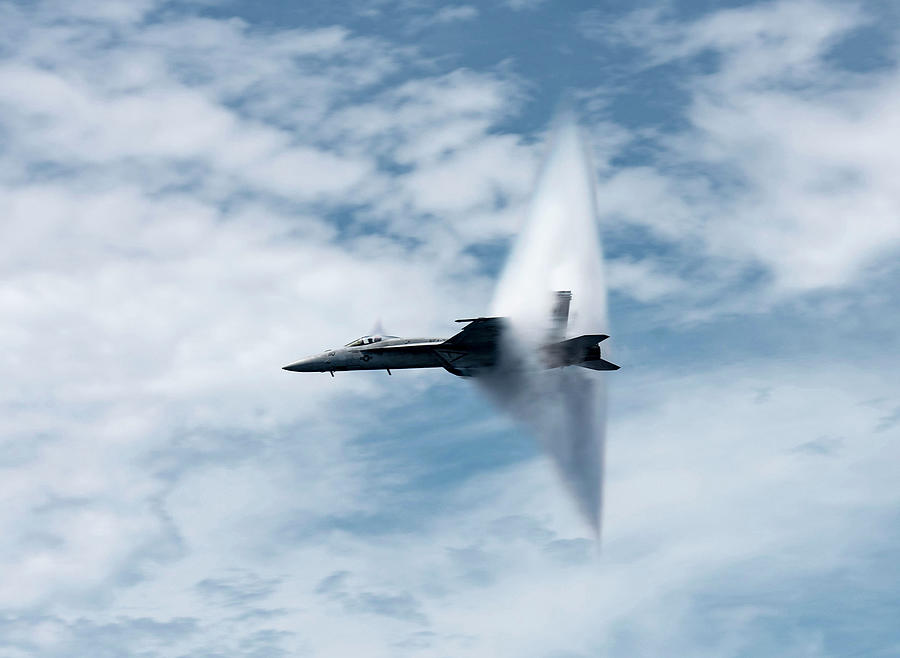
(196, 193)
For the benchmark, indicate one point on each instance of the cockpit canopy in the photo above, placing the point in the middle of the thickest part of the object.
(365, 340)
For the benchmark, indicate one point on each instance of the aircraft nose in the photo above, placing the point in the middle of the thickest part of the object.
(311, 364)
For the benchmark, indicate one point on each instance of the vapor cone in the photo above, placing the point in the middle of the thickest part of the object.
(557, 249)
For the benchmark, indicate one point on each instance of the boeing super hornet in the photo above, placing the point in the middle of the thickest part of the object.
(472, 351)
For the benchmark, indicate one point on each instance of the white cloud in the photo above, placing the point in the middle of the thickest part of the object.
(522, 5)
(176, 229)
(787, 156)
(472, 178)
(444, 16)
(102, 11)
(166, 254)
(455, 13)
(641, 280)
(462, 179)
(711, 492)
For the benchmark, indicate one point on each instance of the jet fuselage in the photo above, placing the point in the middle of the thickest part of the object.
(467, 353)
(382, 353)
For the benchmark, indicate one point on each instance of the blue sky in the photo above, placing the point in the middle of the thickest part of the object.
(197, 193)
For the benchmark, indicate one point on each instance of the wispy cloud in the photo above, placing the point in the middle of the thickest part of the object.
(168, 233)
(752, 179)
(192, 198)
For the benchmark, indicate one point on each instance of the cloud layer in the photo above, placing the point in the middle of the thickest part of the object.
(194, 194)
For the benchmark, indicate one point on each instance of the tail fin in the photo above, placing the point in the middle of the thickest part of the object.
(560, 316)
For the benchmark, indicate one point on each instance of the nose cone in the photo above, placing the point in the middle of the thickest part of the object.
(311, 364)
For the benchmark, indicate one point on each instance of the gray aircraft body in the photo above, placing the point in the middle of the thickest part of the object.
(468, 353)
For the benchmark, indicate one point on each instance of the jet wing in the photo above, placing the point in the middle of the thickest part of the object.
(479, 334)
(474, 348)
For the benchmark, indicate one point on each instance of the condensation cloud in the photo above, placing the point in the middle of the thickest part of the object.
(558, 249)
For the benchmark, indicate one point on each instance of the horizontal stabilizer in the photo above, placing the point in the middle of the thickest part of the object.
(598, 364)
(582, 342)
(574, 350)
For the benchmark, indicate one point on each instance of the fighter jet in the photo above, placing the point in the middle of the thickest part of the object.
(469, 353)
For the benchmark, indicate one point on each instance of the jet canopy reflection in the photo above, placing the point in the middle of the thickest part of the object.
(367, 340)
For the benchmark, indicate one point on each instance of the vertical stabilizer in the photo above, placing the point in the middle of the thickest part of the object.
(559, 318)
